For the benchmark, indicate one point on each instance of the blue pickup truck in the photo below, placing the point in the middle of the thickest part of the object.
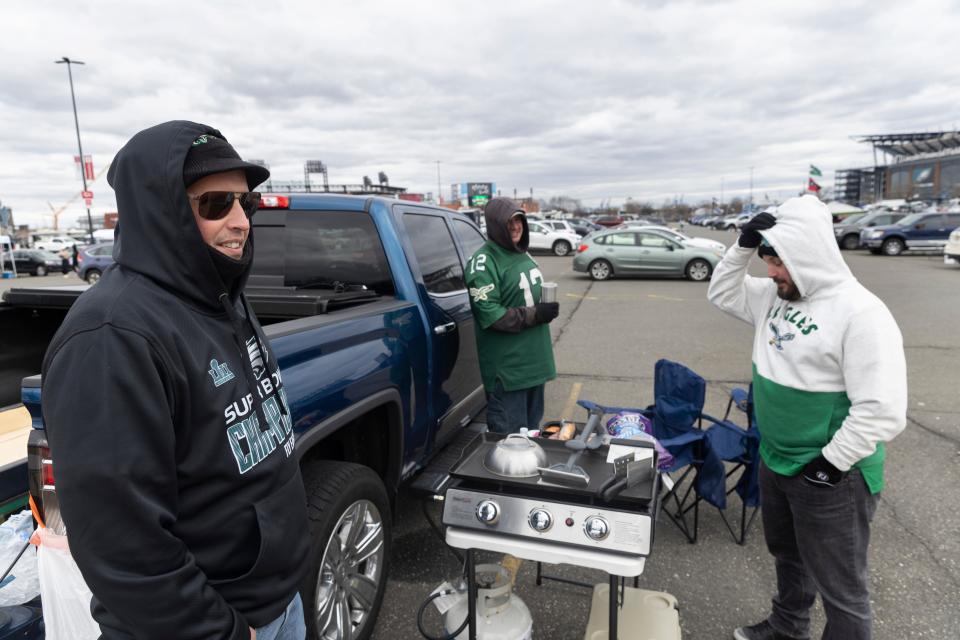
(364, 303)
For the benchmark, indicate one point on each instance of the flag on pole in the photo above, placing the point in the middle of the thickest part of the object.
(86, 167)
(814, 171)
(813, 186)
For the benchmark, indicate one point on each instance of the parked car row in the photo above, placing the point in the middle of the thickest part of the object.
(91, 261)
(893, 232)
(849, 230)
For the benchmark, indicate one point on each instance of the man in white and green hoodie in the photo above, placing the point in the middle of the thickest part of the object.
(830, 388)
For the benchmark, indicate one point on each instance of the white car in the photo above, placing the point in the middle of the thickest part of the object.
(558, 225)
(542, 237)
(952, 250)
(673, 234)
(55, 244)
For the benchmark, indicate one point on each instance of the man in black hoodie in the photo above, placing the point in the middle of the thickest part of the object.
(513, 339)
(165, 412)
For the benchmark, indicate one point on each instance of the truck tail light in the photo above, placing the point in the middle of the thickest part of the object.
(42, 482)
(583, 247)
(274, 202)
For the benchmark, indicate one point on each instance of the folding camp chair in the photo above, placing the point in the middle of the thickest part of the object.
(677, 417)
(731, 443)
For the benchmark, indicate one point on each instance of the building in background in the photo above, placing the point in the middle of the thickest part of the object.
(910, 166)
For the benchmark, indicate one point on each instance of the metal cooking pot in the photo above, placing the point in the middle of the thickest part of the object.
(516, 456)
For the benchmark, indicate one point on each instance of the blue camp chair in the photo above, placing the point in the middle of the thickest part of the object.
(741, 447)
(677, 417)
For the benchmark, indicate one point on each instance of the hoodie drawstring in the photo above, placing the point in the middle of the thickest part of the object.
(263, 350)
(245, 357)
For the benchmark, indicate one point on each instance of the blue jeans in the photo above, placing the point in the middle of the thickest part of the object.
(818, 538)
(509, 411)
(289, 625)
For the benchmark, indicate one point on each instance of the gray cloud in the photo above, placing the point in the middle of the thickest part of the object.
(598, 100)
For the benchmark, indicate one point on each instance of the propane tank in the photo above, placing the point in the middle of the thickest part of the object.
(501, 614)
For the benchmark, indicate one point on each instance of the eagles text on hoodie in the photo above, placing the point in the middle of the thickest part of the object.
(829, 374)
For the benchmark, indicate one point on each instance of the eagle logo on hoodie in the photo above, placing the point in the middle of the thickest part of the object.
(778, 339)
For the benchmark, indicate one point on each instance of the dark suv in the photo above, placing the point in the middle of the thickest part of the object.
(927, 231)
(849, 231)
(94, 259)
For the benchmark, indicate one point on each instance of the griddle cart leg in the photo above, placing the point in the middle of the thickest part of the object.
(614, 605)
(471, 596)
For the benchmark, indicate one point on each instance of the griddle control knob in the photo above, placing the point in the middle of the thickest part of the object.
(488, 512)
(596, 528)
(540, 520)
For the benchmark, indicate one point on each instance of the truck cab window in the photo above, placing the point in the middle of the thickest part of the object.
(334, 246)
(470, 238)
(436, 253)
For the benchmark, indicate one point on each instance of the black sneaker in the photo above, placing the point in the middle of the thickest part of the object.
(760, 631)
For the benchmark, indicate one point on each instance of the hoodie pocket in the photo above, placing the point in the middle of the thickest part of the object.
(282, 523)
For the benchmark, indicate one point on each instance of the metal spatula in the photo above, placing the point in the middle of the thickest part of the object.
(569, 473)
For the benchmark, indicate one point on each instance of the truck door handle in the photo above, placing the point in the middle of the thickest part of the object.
(441, 329)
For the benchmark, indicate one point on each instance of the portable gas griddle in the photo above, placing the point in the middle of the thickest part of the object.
(544, 521)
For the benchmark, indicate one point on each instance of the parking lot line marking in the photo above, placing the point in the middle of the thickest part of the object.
(659, 297)
(571, 401)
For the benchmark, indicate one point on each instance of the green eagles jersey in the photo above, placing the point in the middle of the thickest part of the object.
(498, 280)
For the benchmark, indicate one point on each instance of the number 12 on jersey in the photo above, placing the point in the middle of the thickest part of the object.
(526, 285)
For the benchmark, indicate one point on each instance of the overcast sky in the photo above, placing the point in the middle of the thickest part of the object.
(596, 100)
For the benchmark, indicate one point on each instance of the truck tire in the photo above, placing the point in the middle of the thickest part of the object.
(348, 565)
(561, 248)
(850, 241)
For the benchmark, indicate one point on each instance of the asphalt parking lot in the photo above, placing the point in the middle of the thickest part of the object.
(607, 339)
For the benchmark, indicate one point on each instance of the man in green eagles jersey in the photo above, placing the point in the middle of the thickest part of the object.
(513, 339)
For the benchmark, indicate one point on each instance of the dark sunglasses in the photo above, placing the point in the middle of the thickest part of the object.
(214, 205)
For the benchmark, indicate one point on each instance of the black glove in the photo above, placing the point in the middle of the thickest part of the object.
(546, 311)
(821, 473)
(750, 237)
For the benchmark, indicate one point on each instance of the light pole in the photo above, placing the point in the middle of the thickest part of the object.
(751, 186)
(439, 192)
(76, 122)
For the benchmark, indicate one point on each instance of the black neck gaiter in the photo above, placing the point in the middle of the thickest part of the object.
(229, 269)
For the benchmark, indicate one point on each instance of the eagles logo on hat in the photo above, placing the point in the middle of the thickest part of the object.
(209, 154)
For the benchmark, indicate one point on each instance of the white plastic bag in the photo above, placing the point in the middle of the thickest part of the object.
(65, 596)
(22, 584)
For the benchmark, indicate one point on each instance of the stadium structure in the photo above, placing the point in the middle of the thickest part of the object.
(911, 166)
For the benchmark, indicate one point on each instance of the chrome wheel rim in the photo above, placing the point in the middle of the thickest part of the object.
(350, 572)
(892, 247)
(600, 270)
(699, 271)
